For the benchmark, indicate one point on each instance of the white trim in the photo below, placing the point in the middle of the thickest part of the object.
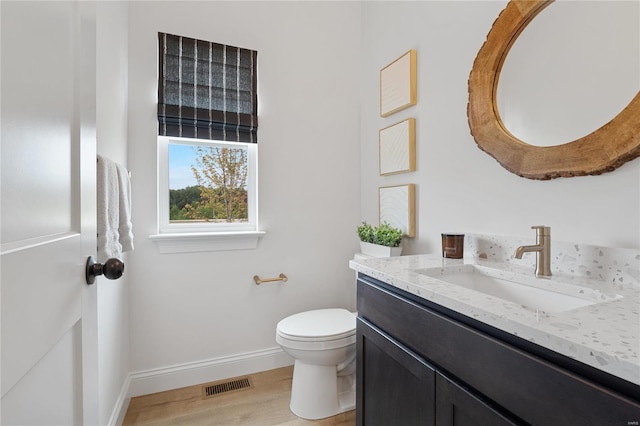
(194, 373)
(206, 241)
(122, 404)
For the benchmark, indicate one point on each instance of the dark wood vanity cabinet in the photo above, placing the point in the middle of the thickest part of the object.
(406, 390)
(404, 383)
(420, 364)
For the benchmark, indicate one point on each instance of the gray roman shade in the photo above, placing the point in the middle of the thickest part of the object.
(206, 90)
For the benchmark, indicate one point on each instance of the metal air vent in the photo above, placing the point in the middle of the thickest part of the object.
(210, 390)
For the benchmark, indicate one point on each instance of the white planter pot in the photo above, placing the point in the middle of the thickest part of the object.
(375, 250)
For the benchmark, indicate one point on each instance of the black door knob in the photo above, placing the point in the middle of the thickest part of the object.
(111, 269)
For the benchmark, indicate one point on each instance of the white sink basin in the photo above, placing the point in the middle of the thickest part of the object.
(536, 294)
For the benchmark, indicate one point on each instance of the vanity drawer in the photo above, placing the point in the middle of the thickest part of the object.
(531, 388)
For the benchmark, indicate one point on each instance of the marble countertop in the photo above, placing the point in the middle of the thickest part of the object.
(603, 335)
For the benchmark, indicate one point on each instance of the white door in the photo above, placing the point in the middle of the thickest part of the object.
(48, 312)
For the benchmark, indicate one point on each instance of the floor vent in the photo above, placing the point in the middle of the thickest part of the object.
(210, 390)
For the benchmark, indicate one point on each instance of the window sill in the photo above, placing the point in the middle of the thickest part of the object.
(207, 241)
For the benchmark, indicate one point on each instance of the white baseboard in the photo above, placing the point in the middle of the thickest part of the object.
(120, 409)
(189, 374)
(193, 373)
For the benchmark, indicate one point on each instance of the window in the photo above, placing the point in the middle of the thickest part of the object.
(207, 186)
(207, 138)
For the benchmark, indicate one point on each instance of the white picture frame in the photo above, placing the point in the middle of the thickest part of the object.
(398, 84)
(397, 207)
(397, 148)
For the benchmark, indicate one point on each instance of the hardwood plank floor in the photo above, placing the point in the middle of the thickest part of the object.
(266, 404)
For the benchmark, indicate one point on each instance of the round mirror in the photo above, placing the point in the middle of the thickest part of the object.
(599, 129)
(581, 65)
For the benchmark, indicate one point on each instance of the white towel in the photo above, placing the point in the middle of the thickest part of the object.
(114, 210)
(108, 215)
(125, 227)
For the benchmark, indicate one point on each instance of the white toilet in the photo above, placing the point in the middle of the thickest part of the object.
(323, 344)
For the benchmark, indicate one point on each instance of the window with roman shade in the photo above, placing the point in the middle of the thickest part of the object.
(206, 90)
(207, 146)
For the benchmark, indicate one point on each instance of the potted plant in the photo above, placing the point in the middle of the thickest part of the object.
(380, 241)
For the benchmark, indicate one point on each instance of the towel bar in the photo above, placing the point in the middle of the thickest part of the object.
(258, 280)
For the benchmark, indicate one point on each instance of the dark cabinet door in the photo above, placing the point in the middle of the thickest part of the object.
(457, 406)
(394, 386)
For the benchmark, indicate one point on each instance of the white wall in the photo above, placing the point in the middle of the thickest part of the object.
(193, 307)
(111, 135)
(459, 187)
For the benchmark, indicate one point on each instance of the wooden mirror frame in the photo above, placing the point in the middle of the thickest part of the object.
(603, 150)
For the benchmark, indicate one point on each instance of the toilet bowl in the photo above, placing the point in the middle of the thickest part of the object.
(323, 344)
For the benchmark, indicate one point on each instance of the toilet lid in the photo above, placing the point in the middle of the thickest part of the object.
(321, 324)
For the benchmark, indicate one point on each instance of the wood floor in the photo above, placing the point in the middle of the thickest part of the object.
(266, 404)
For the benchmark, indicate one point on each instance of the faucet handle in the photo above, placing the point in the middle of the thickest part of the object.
(542, 230)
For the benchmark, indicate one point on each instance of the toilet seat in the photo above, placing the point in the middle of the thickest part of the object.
(319, 329)
(318, 326)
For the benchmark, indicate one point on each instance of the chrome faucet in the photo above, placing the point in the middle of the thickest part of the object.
(542, 249)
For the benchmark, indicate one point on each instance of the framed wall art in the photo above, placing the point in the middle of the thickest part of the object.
(397, 207)
(397, 148)
(398, 84)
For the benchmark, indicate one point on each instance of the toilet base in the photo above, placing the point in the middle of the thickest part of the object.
(318, 392)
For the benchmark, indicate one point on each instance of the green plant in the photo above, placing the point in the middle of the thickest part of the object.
(384, 235)
(365, 232)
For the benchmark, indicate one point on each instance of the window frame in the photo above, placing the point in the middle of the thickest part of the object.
(165, 227)
(178, 238)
